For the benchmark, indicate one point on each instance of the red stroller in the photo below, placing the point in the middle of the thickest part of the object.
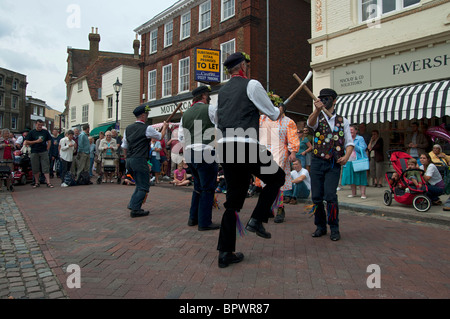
(403, 191)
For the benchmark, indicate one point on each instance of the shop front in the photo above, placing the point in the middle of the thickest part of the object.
(391, 92)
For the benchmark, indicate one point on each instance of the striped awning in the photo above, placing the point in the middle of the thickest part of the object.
(426, 100)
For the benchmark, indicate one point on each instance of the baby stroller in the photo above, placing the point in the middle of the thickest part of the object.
(6, 175)
(401, 189)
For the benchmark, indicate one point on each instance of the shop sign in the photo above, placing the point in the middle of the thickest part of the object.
(167, 109)
(420, 65)
(207, 65)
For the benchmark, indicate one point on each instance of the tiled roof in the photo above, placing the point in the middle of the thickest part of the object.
(79, 65)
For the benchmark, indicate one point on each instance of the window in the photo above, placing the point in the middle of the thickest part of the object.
(73, 113)
(85, 113)
(185, 31)
(168, 34)
(205, 15)
(153, 41)
(14, 122)
(227, 9)
(41, 111)
(371, 9)
(152, 85)
(15, 102)
(80, 86)
(167, 80)
(35, 110)
(1, 99)
(15, 85)
(110, 107)
(1, 80)
(226, 48)
(184, 75)
(1, 120)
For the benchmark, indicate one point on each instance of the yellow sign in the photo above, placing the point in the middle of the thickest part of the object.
(207, 65)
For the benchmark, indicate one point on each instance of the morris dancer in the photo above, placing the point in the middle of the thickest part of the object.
(333, 145)
(136, 146)
(239, 103)
(196, 132)
(283, 147)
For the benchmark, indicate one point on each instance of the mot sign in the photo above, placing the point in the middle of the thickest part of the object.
(207, 65)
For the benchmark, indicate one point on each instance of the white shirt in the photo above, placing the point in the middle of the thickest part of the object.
(149, 133)
(66, 152)
(258, 95)
(434, 173)
(303, 171)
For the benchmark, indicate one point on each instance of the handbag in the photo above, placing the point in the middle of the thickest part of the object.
(362, 164)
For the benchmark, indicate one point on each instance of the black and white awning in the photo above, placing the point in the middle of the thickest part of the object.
(426, 100)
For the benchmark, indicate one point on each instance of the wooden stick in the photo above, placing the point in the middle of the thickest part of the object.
(294, 93)
(311, 94)
(174, 112)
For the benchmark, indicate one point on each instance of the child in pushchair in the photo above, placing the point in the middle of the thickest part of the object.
(406, 184)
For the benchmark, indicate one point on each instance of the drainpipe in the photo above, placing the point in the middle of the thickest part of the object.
(267, 47)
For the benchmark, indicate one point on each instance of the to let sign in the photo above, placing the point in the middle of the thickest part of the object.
(207, 65)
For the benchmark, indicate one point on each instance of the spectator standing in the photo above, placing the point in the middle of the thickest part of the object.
(305, 146)
(7, 153)
(349, 176)
(39, 141)
(91, 155)
(156, 158)
(376, 157)
(66, 149)
(416, 142)
(53, 153)
(83, 157)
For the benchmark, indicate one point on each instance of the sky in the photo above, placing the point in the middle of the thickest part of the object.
(34, 36)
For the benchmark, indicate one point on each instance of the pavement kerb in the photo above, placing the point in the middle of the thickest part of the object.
(384, 212)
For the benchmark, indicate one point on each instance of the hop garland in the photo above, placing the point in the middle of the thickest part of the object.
(276, 99)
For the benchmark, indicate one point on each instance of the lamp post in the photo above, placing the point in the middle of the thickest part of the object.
(117, 87)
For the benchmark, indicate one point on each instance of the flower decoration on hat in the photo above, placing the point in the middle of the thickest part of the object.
(246, 56)
(147, 109)
(276, 99)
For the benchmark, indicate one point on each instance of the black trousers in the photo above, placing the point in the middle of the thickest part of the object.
(246, 160)
(324, 182)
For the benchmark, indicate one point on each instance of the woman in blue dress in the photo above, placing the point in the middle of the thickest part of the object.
(349, 177)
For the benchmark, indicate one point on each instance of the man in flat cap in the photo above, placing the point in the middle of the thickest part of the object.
(240, 102)
(333, 145)
(196, 133)
(136, 146)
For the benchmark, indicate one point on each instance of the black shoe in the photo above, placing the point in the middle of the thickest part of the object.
(319, 232)
(139, 213)
(280, 216)
(212, 226)
(226, 258)
(192, 222)
(335, 235)
(256, 227)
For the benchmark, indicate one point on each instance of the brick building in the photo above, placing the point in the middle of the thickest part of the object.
(13, 87)
(276, 38)
(89, 84)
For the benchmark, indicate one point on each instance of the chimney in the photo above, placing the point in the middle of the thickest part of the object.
(94, 41)
(136, 46)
